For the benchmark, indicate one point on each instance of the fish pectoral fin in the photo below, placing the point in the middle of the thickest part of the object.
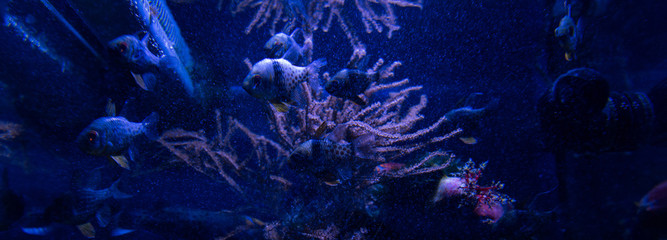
(146, 81)
(569, 56)
(280, 106)
(110, 109)
(139, 80)
(122, 161)
(328, 178)
(332, 183)
(358, 100)
(251, 221)
(468, 140)
(87, 229)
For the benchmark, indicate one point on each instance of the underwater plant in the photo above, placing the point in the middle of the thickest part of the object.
(376, 16)
(8, 131)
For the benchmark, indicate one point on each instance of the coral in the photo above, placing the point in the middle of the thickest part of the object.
(219, 156)
(488, 201)
(257, 172)
(389, 120)
(376, 16)
(8, 131)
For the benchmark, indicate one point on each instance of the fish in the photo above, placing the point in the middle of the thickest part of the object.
(284, 46)
(349, 83)
(79, 208)
(655, 200)
(468, 118)
(568, 34)
(277, 80)
(190, 223)
(112, 136)
(143, 64)
(652, 212)
(328, 159)
(388, 167)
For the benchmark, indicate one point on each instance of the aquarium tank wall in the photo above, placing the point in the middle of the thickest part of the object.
(333, 119)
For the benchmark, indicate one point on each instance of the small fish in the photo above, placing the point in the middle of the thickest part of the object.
(655, 200)
(277, 80)
(284, 46)
(652, 212)
(77, 208)
(112, 136)
(468, 118)
(349, 83)
(568, 35)
(143, 64)
(388, 167)
(326, 159)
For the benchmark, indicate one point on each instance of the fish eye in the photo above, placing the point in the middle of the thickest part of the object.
(256, 80)
(122, 47)
(92, 136)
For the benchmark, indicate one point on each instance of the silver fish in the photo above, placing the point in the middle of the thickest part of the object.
(284, 46)
(143, 64)
(328, 159)
(277, 80)
(349, 83)
(112, 136)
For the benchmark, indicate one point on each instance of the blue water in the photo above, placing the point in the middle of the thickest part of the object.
(57, 78)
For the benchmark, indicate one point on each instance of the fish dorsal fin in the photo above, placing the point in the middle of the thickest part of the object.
(293, 35)
(122, 161)
(338, 134)
(143, 35)
(468, 100)
(110, 109)
(320, 130)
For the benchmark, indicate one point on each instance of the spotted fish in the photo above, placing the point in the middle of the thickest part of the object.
(326, 159)
(277, 81)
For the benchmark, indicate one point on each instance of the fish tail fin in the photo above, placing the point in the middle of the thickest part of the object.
(364, 146)
(313, 74)
(314, 69)
(150, 126)
(116, 193)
